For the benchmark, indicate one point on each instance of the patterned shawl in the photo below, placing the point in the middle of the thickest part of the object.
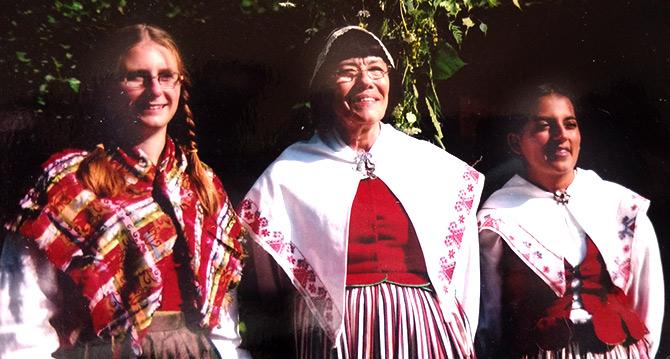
(110, 247)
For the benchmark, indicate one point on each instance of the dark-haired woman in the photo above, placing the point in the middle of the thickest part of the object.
(375, 230)
(570, 262)
(129, 250)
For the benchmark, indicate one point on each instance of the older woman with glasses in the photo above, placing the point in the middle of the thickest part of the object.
(130, 250)
(375, 230)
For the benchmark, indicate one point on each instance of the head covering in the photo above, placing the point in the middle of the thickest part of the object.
(326, 53)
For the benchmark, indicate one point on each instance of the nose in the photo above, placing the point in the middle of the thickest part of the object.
(558, 132)
(153, 86)
(364, 78)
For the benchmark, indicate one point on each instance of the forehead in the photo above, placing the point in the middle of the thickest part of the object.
(149, 55)
(360, 61)
(555, 104)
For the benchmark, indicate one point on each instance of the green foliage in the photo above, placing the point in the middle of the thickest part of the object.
(45, 41)
(426, 30)
(49, 38)
(428, 34)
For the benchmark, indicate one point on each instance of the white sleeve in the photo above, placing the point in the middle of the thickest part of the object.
(646, 288)
(466, 277)
(25, 331)
(489, 332)
(226, 335)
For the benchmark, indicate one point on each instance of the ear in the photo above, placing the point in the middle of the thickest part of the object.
(513, 141)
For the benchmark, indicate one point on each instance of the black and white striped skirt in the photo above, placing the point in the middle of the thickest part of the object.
(387, 321)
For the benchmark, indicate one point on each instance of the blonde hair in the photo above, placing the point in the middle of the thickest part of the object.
(97, 172)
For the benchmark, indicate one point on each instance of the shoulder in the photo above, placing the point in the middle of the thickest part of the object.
(591, 184)
(416, 152)
(62, 164)
(298, 157)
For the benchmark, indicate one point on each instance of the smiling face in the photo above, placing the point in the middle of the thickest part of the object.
(359, 100)
(151, 106)
(549, 143)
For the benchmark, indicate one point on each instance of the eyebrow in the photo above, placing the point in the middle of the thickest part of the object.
(374, 61)
(541, 118)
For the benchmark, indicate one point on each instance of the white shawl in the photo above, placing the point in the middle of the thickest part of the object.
(298, 211)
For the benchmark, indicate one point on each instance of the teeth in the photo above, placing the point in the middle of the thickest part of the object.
(365, 99)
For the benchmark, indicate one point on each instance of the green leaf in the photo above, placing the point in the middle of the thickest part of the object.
(49, 77)
(436, 123)
(73, 83)
(467, 22)
(483, 28)
(410, 117)
(22, 57)
(456, 32)
(77, 6)
(447, 62)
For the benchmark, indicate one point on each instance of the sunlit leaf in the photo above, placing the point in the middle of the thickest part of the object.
(447, 62)
(436, 123)
(49, 77)
(517, 3)
(77, 6)
(74, 84)
(22, 57)
(483, 28)
(410, 117)
(467, 22)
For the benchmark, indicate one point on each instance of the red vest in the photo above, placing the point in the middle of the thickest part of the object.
(383, 245)
(533, 317)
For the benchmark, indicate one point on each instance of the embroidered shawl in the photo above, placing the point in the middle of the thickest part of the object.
(110, 247)
(526, 216)
(298, 212)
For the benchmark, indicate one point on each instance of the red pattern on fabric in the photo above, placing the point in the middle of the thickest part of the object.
(308, 283)
(109, 247)
(462, 209)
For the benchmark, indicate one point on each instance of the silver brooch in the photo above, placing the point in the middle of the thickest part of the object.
(561, 197)
(365, 165)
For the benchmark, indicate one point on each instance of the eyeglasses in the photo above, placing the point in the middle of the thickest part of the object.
(348, 75)
(140, 80)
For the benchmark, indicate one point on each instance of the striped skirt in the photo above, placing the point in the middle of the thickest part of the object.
(387, 321)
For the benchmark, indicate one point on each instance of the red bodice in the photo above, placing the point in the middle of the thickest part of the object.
(383, 245)
(532, 315)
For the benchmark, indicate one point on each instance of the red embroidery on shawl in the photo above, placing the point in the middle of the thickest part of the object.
(534, 254)
(463, 208)
(308, 283)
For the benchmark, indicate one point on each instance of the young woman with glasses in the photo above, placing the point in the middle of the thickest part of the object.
(129, 250)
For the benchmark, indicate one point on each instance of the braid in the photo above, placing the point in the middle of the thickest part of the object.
(98, 174)
(203, 183)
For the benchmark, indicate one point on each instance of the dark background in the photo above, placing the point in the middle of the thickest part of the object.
(250, 74)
